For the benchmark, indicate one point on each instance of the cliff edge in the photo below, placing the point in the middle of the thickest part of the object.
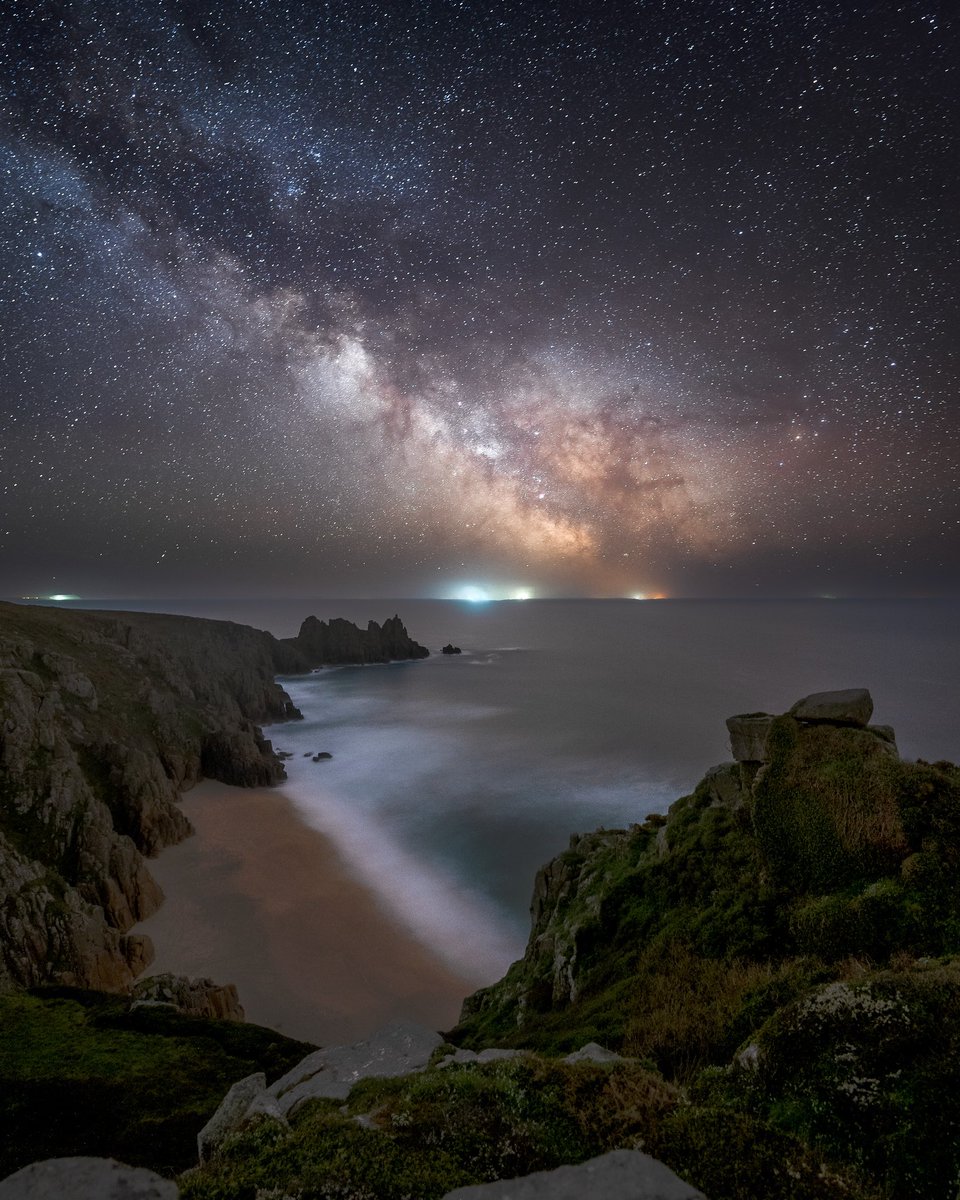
(104, 719)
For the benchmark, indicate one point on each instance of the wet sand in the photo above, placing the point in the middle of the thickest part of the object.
(259, 899)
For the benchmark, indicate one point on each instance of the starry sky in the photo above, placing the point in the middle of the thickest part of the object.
(358, 299)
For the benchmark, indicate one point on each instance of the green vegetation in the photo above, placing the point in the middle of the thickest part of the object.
(82, 1074)
(778, 958)
(422, 1135)
(835, 867)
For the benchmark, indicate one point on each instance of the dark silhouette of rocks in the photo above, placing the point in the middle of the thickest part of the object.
(450, 648)
(336, 642)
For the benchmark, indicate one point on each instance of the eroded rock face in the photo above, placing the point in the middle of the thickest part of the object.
(748, 736)
(778, 760)
(104, 719)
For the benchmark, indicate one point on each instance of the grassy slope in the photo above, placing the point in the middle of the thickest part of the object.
(80, 1074)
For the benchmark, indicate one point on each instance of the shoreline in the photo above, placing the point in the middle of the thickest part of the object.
(258, 898)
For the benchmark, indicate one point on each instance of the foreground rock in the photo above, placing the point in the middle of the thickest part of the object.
(86, 1179)
(398, 1049)
(619, 1175)
(192, 997)
(402, 1048)
(786, 806)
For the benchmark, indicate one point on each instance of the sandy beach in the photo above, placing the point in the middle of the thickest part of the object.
(259, 899)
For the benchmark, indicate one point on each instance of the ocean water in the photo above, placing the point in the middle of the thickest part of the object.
(454, 778)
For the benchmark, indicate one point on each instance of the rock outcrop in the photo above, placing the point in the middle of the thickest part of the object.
(806, 831)
(86, 1179)
(191, 997)
(104, 719)
(329, 643)
(619, 1175)
(402, 1048)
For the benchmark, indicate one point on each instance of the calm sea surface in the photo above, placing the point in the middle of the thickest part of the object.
(453, 779)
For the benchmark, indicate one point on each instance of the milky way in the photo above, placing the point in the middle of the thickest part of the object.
(390, 299)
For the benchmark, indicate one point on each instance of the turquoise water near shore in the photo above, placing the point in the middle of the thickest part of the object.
(453, 779)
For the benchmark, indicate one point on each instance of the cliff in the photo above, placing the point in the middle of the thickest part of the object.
(783, 944)
(104, 719)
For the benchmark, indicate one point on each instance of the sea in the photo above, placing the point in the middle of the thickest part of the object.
(454, 778)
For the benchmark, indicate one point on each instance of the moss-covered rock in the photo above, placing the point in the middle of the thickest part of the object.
(422, 1135)
(82, 1073)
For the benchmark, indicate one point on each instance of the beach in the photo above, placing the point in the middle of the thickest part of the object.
(258, 899)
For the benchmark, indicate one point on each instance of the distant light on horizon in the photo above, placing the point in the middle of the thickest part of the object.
(523, 594)
(63, 596)
(475, 595)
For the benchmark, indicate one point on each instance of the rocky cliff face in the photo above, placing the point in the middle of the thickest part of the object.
(104, 719)
(320, 643)
(785, 945)
(814, 840)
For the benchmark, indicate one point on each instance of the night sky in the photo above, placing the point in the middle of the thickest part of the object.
(398, 299)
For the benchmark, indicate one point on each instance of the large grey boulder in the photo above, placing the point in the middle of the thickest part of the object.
(853, 706)
(748, 736)
(490, 1054)
(399, 1049)
(619, 1175)
(230, 1115)
(593, 1052)
(86, 1179)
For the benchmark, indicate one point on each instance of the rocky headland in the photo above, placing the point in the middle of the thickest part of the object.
(329, 643)
(105, 718)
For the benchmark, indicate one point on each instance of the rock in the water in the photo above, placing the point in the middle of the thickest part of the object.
(322, 756)
(853, 706)
(748, 736)
(450, 648)
(340, 641)
(593, 1052)
(86, 1179)
(399, 1049)
(230, 1115)
(619, 1175)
